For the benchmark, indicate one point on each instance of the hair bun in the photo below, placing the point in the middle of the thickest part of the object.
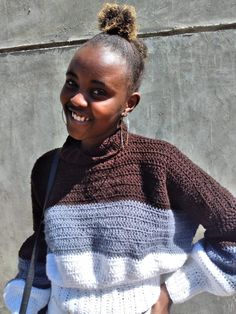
(115, 19)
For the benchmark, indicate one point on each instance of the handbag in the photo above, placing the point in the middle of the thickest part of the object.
(31, 270)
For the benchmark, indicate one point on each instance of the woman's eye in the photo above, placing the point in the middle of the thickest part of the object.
(71, 83)
(98, 92)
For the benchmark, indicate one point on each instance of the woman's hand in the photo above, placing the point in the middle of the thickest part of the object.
(163, 304)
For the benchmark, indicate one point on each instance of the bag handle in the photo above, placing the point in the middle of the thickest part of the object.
(31, 270)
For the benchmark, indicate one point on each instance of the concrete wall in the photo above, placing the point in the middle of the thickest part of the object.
(189, 94)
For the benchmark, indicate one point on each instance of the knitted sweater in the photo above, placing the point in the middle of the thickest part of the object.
(121, 221)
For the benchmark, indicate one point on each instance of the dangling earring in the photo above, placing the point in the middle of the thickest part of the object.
(127, 123)
(126, 116)
(124, 130)
(63, 116)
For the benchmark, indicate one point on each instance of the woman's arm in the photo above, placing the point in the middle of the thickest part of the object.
(41, 285)
(211, 266)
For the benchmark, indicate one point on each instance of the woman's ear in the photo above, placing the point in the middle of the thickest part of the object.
(132, 102)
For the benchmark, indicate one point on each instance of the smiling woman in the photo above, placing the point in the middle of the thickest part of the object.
(95, 96)
(123, 211)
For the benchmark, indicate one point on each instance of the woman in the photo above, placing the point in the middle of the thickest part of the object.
(124, 209)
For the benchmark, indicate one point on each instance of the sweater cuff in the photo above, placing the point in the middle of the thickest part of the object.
(199, 274)
(13, 295)
(186, 282)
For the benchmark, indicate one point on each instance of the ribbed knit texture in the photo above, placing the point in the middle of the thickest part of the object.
(120, 219)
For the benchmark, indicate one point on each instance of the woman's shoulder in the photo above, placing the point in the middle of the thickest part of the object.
(147, 144)
(43, 163)
(157, 152)
(46, 157)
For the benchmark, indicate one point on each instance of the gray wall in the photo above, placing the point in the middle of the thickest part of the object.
(188, 97)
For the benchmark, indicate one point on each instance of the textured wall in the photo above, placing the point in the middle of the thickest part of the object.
(188, 98)
(33, 22)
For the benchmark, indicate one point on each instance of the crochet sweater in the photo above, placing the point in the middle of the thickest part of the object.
(121, 221)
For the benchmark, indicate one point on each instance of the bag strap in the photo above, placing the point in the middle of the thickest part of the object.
(31, 270)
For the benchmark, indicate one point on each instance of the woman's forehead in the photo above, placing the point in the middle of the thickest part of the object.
(97, 56)
(100, 64)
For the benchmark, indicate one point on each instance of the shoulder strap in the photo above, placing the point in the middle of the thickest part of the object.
(31, 270)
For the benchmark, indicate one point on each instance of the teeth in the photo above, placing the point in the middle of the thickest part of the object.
(79, 118)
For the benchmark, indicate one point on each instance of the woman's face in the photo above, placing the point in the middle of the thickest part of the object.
(95, 94)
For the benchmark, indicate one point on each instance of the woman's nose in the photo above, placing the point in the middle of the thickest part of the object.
(79, 100)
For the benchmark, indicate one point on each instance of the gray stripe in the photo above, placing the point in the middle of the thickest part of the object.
(122, 228)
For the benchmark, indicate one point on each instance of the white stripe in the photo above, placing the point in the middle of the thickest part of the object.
(96, 271)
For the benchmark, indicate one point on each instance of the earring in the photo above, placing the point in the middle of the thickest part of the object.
(124, 130)
(63, 116)
(127, 123)
(126, 116)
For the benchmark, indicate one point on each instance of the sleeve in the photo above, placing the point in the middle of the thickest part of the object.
(211, 266)
(40, 292)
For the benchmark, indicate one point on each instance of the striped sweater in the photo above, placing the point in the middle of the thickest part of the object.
(120, 222)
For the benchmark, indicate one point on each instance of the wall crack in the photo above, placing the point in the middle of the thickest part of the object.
(171, 32)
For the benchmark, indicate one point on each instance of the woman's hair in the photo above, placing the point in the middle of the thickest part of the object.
(119, 33)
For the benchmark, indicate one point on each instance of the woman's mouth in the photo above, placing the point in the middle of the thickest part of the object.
(79, 117)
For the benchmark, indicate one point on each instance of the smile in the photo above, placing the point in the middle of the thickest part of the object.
(79, 117)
